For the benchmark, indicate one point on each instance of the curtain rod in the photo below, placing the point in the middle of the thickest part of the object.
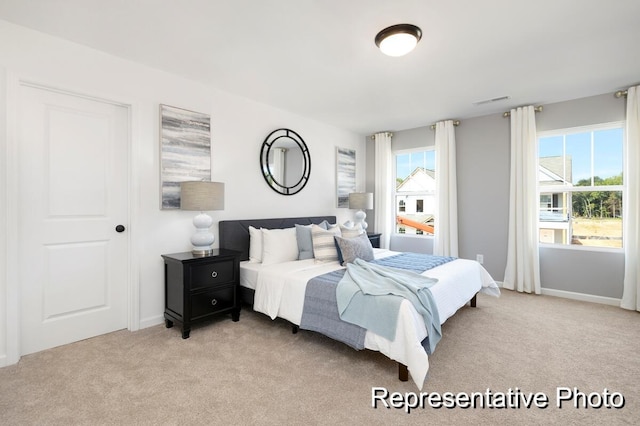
(621, 94)
(536, 109)
(455, 123)
(388, 133)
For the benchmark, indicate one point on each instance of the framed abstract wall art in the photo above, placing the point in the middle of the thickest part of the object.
(185, 151)
(345, 175)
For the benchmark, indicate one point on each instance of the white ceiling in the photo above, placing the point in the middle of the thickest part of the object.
(317, 58)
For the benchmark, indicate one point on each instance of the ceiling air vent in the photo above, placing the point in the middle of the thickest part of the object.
(489, 101)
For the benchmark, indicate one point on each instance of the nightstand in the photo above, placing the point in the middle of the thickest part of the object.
(200, 287)
(375, 240)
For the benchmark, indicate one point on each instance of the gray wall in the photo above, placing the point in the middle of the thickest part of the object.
(483, 157)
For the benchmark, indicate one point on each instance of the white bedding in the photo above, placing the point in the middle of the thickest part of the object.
(280, 290)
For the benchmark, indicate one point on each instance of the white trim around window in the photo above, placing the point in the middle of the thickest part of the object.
(570, 188)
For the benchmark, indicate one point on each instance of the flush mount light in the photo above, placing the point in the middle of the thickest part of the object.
(398, 40)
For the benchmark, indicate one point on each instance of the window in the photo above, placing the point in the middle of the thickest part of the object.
(415, 192)
(580, 183)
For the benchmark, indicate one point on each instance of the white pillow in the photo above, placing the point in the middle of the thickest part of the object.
(279, 245)
(255, 245)
(324, 244)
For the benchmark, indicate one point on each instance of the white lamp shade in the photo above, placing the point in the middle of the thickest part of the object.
(201, 196)
(361, 200)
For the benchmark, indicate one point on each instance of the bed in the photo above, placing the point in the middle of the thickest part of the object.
(277, 287)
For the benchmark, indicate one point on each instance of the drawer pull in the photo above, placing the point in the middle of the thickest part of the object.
(214, 274)
(214, 302)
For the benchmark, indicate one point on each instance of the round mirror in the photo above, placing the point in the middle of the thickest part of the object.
(285, 161)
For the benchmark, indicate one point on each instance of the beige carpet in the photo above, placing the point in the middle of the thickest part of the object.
(256, 372)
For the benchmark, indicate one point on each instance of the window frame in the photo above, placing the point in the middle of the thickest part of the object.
(551, 189)
(395, 194)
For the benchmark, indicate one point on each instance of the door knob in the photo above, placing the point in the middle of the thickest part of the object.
(120, 228)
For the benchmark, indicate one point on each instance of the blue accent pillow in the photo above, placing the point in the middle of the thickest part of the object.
(326, 225)
(305, 242)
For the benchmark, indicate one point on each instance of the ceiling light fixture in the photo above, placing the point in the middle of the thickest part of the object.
(398, 40)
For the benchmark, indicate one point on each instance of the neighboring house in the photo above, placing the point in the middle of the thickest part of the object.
(415, 202)
(555, 208)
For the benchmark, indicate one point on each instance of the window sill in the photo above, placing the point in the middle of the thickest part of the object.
(396, 235)
(582, 248)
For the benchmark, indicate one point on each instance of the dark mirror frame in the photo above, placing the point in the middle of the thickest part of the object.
(267, 173)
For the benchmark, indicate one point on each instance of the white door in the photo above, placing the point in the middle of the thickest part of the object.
(73, 192)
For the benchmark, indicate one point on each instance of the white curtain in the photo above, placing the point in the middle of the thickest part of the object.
(631, 208)
(446, 229)
(383, 190)
(522, 272)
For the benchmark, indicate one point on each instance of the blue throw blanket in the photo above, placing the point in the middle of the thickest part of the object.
(416, 262)
(320, 312)
(368, 287)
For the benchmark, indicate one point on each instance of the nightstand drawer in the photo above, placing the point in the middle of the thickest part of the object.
(212, 301)
(212, 274)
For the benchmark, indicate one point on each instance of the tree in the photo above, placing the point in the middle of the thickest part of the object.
(598, 203)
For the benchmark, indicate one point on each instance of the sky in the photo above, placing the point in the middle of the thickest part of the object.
(406, 163)
(602, 156)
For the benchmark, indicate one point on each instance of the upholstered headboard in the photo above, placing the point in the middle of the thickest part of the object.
(234, 234)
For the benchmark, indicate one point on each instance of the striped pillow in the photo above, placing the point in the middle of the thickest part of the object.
(324, 245)
(350, 232)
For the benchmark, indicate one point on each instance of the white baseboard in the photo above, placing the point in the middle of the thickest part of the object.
(581, 296)
(150, 322)
(3, 361)
(577, 296)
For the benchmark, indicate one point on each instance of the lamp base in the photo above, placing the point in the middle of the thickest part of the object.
(202, 252)
(359, 218)
(203, 238)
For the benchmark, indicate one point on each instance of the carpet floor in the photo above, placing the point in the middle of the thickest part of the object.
(256, 371)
